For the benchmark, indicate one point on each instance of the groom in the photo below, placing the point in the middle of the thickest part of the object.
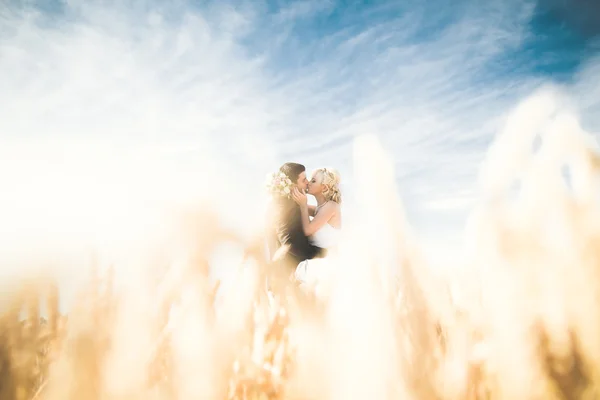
(289, 243)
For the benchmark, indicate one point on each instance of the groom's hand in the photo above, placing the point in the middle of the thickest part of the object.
(299, 197)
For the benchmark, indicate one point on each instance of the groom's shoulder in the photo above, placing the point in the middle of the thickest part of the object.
(282, 207)
(284, 203)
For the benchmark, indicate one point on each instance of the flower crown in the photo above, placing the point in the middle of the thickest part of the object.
(279, 184)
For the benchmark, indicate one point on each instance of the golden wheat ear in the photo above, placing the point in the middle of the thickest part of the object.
(386, 230)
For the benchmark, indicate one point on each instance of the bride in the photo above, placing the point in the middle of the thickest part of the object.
(324, 228)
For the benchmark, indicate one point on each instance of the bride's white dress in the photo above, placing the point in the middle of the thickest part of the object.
(314, 273)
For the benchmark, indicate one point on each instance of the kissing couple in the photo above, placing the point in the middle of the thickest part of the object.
(302, 235)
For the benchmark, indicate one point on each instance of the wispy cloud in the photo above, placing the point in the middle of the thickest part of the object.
(181, 96)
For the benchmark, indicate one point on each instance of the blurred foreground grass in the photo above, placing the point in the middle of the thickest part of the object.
(525, 326)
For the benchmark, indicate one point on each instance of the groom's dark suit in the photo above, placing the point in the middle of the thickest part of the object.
(288, 233)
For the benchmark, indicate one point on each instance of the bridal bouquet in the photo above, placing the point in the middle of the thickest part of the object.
(279, 184)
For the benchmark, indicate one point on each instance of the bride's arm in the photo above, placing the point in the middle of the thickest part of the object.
(311, 210)
(324, 215)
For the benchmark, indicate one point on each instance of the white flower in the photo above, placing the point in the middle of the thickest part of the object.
(279, 183)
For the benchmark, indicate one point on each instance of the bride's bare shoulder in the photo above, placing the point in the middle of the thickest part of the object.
(332, 206)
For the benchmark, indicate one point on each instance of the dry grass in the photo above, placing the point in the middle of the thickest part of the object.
(387, 329)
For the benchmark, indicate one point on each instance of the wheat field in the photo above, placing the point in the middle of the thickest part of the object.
(526, 324)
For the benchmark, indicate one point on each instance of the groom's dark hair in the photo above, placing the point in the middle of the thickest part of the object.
(292, 170)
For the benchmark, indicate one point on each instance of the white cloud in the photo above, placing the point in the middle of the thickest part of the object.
(179, 97)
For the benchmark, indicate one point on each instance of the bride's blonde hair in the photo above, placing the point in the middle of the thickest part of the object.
(330, 178)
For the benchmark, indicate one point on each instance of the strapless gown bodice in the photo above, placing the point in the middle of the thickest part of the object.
(327, 237)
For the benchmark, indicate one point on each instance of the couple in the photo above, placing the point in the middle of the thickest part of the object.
(301, 234)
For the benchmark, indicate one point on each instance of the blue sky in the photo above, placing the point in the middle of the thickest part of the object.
(172, 95)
